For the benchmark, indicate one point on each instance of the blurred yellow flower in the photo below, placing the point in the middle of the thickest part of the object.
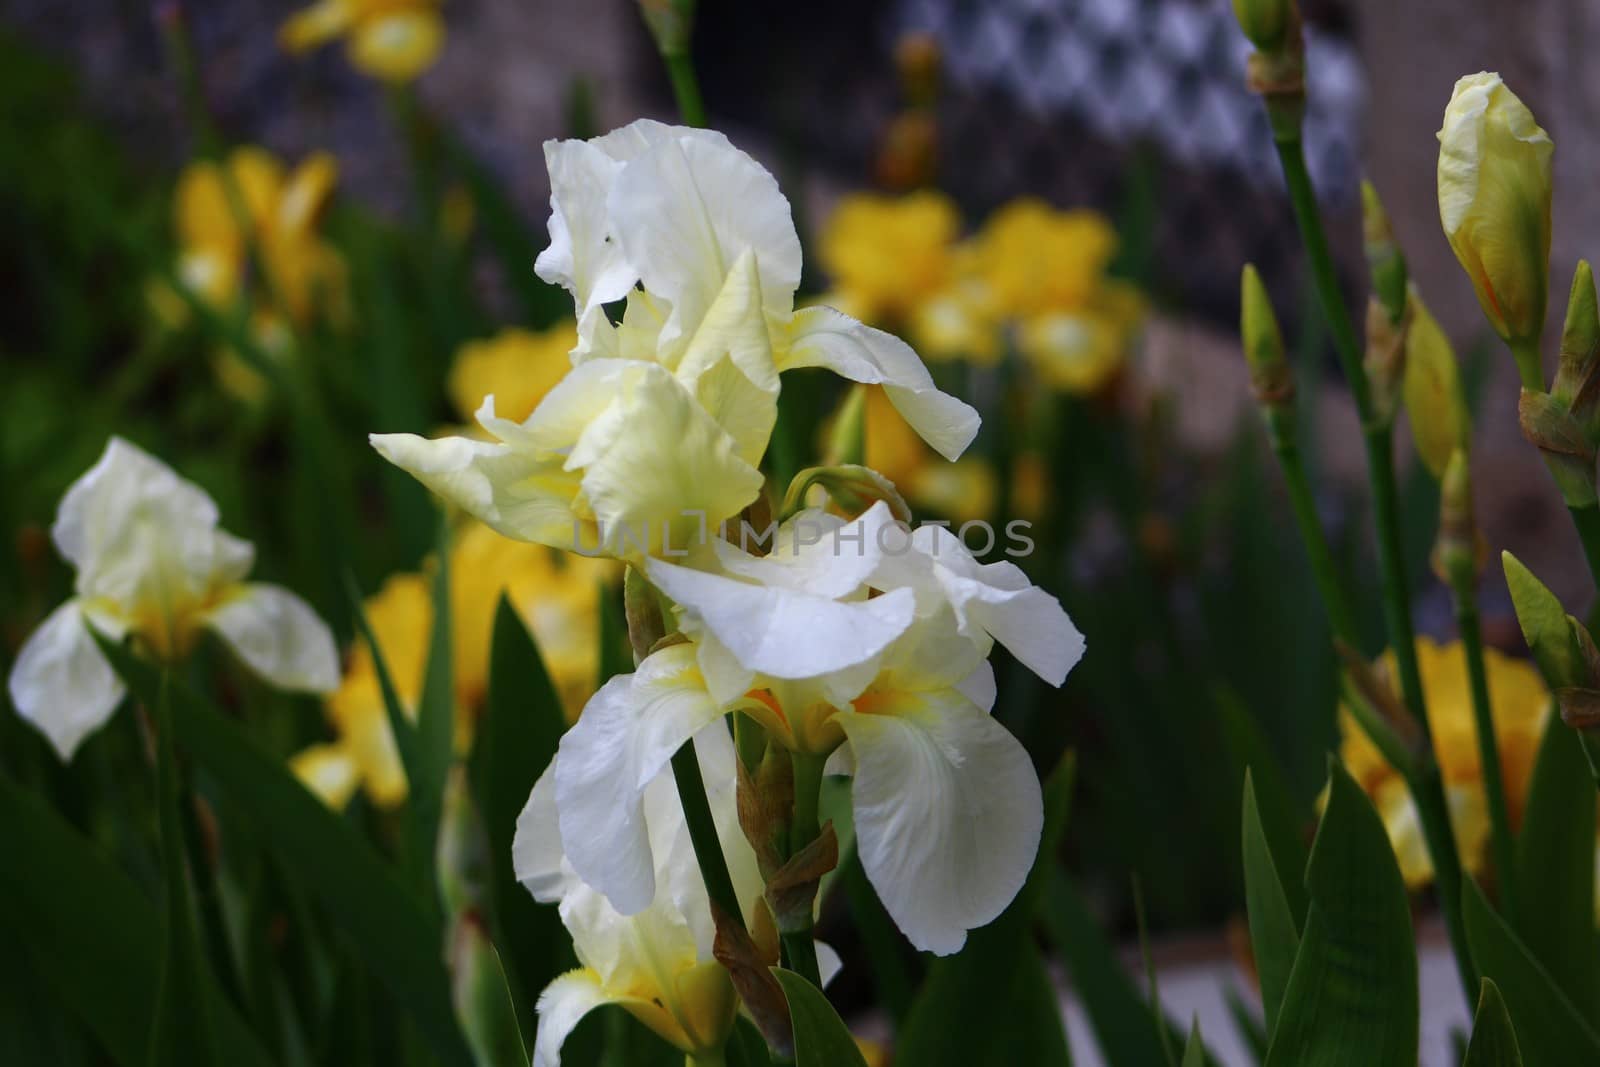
(251, 204)
(393, 40)
(557, 596)
(889, 254)
(1046, 271)
(518, 367)
(1521, 707)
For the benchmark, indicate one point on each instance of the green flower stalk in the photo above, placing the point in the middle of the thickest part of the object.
(1458, 558)
(1278, 76)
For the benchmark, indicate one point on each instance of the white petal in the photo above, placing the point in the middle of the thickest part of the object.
(536, 855)
(814, 552)
(581, 257)
(823, 337)
(279, 636)
(627, 733)
(979, 686)
(781, 632)
(829, 963)
(947, 813)
(140, 535)
(61, 683)
(686, 209)
(523, 495)
(562, 1005)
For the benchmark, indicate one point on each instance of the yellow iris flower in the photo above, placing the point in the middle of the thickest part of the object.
(392, 40)
(252, 204)
(517, 366)
(558, 598)
(1521, 707)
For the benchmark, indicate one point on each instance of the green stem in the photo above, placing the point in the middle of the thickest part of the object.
(1501, 842)
(1530, 365)
(1303, 503)
(1587, 521)
(1426, 785)
(208, 895)
(716, 1057)
(800, 944)
(685, 87)
(703, 834)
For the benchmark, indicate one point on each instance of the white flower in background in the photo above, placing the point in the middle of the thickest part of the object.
(657, 962)
(656, 435)
(152, 564)
(870, 643)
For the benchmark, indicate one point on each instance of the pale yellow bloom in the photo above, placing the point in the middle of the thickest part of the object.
(1521, 707)
(558, 599)
(1494, 201)
(516, 366)
(394, 40)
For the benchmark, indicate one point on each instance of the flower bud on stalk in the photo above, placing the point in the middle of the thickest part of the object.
(1561, 646)
(1385, 261)
(1385, 360)
(1568, 452)
(1458, 551)
(1494, 203)
(854, 489)
(1270, 377)
(1440, 421)
(1277, 69)
(1577, 382)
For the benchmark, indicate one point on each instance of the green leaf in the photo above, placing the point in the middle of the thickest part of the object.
(1282, 818)
(1194, 1051)
(1494, 1043)
(92, 935)
(820, 1037)
(1555, 861)
(1124, 1026)
(1351, 998)
(388, 925)
(1544, 626)
(517, 739)
(1549, 1029)
(436, 713)
(180, 1031)
(746, 1046)
(998, 974)
(1274, 936)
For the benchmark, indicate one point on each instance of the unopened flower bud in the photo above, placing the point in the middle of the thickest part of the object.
(1494, 203)
(1458, 550)
(1385, 359)
(1562, 442)
(918, 61)
(1577, 383)
(1267, 23)
(1270, 375)
(1384, 259)
(1440, 421)
(479, 993)
(1561, 646)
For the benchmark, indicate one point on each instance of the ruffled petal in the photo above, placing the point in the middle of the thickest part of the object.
(948, 813)
(686, 209)
(279, 636)
(61, 682)
(561, 1006)
(581, 257)
(536, 855)
(624, 738)
(823, 337)
(781, 632)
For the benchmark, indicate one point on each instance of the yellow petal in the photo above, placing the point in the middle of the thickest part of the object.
(397, 46)
(517, 366)
(329, 772)
(307, 192)
(316, 25)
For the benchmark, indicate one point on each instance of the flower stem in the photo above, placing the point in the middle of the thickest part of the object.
(1465, 599)
(1530, 366)
(799, 945)
(1587, 521)
(685, 88)
(703, 834)
(716, 1057)
(1426, 785)
(1304, 505)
